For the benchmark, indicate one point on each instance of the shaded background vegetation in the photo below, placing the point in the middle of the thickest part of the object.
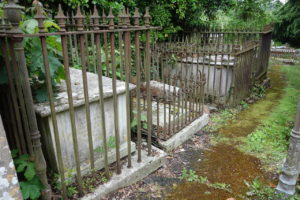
(172, 15)
(187, 15)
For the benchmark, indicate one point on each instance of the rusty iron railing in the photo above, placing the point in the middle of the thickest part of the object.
(231, 60)
(78, 35)
(20, 92)
(177, 95)
(113, 84)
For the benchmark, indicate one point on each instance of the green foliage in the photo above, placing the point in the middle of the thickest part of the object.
(31, 189)
(134, 122)
(270, 140)
(287, 25)
(34, 58)
(191, 176)
(171, 15)
(258, 190)
(244, 104)
(30, 184)
(111, 143)
(219, 119)
(91, 181)
(1, 9)
(248, 14)
(69, 180)
(257, 92)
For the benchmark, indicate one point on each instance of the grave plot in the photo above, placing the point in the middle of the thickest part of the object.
(64, 122)
(231, 61)
(176, 102)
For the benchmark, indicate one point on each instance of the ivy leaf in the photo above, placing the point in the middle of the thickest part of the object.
(21, 159)
(31, 189)
(54, 64)
(145, 126)
(29, 26)
(54, 44)
(21, 167)
(143, 117)
(41, 95)
(30, 171)
(14, 153)
(60, 74)
(133, 123)
(50, 24)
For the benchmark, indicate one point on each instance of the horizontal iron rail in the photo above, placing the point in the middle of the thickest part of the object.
(237, 32)
(13, 35)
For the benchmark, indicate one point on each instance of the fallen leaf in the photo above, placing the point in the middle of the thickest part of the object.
(272, 185)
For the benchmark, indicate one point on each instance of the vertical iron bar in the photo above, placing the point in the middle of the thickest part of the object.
(114, 85)
(138, 94)
(96, 17)
(82, 41)
(149, 94)
(13, 13)
(127, 92)
(12, 92)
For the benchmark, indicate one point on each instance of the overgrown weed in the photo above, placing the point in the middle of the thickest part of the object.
(259, 190)
(219, 119)
(269, 141)
(191, 176)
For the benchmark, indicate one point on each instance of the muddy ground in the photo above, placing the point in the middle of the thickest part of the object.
(159, 184)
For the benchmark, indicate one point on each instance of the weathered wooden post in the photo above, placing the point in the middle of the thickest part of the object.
(13, 14)
(291, 168)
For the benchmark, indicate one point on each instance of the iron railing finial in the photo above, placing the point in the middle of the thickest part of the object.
(147, 17)
(61, 19)
(79, 19)
(110, 18)
(95, 18)
(136, 17)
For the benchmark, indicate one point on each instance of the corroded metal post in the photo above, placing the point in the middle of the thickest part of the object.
(147, 66)
(291, 168)
(138, 84)
(13, 12)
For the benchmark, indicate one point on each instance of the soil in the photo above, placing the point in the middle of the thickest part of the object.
(159, 184)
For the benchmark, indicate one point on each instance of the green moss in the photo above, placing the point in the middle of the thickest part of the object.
(269, 141)
(219, 119)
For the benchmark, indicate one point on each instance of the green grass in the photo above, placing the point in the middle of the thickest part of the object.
(219, 119)
(258, 190)
(269, 142)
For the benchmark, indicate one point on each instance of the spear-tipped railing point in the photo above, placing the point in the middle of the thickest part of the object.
(78, 13)
(61, 18)
(136, 17)
(95, 13)
(103, 17)
(12, 12)
(95, 18)
(40, 17)
(60, 12)
(79, 19)
(110, 18)
(121, 17)
(147, 17)
(127, 17)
